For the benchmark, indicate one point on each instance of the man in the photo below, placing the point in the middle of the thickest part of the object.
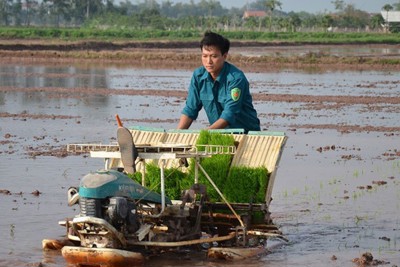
(221, 88)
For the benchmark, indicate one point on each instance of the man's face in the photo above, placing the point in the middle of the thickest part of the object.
(213, 60)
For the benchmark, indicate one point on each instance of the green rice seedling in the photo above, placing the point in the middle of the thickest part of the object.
(314, 196)
(217, 166)
(327, 217)
(358, 219)
(295, 191)
(137, 176)
(175, 180)
(246, 185)
(397, 164)
(239, 184)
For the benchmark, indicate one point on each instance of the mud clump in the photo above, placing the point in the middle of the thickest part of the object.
(47, 150)
(36, 193)
(5, 192)
(367, 259)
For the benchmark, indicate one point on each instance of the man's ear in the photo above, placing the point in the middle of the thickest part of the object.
(225, 55)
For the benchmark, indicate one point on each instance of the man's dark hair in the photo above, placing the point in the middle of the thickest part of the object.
(214, 39)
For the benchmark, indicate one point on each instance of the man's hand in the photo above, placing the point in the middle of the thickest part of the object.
(219, 124)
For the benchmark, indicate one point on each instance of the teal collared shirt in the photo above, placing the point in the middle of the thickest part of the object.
(228, 97)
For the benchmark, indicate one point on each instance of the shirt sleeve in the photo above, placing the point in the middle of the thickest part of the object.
(234, 104)
(193, 103)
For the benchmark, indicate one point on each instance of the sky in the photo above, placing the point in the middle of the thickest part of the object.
(311, 6)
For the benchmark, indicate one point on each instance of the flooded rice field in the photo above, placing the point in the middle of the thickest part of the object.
(337, 193)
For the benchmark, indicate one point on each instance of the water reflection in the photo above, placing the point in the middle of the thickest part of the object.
(336, 50)
(91, 105)
(46, 76)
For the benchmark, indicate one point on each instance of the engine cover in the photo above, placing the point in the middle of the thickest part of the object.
(111, 183)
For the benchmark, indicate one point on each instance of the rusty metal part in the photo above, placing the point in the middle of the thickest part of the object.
(104, 257)
(183, 243)
(97, 231)
(55, 244)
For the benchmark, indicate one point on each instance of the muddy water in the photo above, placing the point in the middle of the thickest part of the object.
(337, 193)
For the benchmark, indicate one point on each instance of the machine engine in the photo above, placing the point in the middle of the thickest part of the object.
(113, 208)
(120, 212)
(108, 210)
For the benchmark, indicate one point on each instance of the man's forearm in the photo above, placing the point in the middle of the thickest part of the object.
(184, 122)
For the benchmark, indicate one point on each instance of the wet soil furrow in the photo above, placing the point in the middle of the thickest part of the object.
(347, 128)
(345, 100)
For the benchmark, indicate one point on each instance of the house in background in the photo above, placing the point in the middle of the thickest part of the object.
(392, 18)
(254, 13)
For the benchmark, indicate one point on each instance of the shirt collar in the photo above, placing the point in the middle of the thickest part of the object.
(220, 77)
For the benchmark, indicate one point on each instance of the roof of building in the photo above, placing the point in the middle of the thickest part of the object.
(254, 13)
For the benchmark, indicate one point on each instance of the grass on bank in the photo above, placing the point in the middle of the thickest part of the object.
(76, 34)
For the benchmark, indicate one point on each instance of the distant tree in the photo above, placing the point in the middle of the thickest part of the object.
(235, 20)
(308, 20)
(93, 7)
(17, 12)
(59, 9)
(209, 6)
(171, 14)
(6, 11)
(151, 18)
(353, 18)
(339, 5)
(126, 8)
(110, 7)
(294, 21)
(271, 5)
(251, 23)
(212, 5)
(387, 7)
(376, 21)
(224, 20)
(29, 12)
(327, 21)
(188, 22)
(167, 8)
(43, 12)
(151, 5)
(78, 11)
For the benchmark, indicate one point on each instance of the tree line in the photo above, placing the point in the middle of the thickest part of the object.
(206, 14)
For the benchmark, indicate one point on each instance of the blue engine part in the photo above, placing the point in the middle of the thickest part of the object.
(111, 183)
